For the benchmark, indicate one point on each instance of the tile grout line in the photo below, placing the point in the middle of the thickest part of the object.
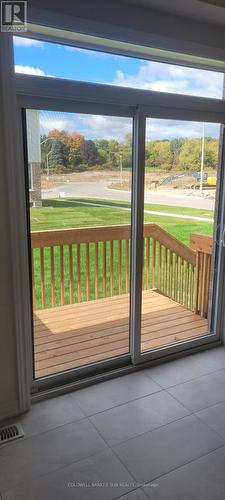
(145, 432)
(186, 381)
(112, 448)
(157, 477)
(32, 436)
(209, 426)
(131, 491)
(125, 403)
(114, 453)
(53, 471)
(87, 417)
(196, 410)
(186, 463)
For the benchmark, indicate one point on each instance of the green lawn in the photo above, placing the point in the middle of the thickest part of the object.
(154, 207)
(57, 214)
(66, 213)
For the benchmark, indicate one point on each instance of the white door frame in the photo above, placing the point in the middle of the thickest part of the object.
(54, 94)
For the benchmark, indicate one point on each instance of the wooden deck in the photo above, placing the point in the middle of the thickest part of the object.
(69, 336)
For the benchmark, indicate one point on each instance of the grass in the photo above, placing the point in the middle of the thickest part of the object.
(148, 206)
(60, 214)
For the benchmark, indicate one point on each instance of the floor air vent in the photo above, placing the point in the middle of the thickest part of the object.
(10, 432)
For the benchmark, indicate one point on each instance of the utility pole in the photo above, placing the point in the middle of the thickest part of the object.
(47, 155)
(202, 159)
(120, 164)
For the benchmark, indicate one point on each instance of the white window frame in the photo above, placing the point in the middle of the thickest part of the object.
(63, 95)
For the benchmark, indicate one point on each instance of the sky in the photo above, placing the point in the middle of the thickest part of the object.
(54, 60)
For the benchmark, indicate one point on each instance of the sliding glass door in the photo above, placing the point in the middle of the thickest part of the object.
(181, 176)
(122, 211)
(79, 176)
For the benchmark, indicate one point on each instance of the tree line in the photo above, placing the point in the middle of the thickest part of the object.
(71, 152)
(182, 154)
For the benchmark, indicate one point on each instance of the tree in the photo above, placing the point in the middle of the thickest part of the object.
(158, 154)
(211, 153)
(190, 155)
(61, 135)
(59, 154)
(75, 142)
(175, 148)
(89, 153)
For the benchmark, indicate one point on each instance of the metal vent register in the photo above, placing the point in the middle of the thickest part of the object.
(10, 432)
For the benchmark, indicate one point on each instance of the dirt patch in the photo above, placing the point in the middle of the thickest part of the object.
(88, 176)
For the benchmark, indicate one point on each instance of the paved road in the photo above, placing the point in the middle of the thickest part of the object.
(99, 190)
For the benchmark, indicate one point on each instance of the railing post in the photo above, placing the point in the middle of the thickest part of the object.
(202, 244)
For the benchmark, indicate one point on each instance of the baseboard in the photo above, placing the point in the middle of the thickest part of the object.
(9, 409)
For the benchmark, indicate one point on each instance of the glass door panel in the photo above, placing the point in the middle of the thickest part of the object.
(181, 172)
(79, 174)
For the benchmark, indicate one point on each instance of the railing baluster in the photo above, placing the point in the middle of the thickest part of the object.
(191, 288)
(203, 284)
(87, 272)
(52, 259)
(153, 263)
(127, 266)
(33, 279)
(159, 266)
(62, 290)
(181, 280)
(207, 285)
(200, 282)
(143, 265)
(171, 273)
(147, 261)
(187, 284)
(96, 270)
(176, 278)
(42, 264)
(165, 270)
(120, 265)
(71, 274)
(111, 269)
(104, 269)
(79, 297)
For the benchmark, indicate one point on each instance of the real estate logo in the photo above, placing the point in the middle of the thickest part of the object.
(13, 16)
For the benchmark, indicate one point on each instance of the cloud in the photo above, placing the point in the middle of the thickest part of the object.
(19, 41)
(105, 127)
(111, 127)
(31, 70)
(170, 78)
(91, 126)
(171, 129)
(92, 53)
(49, 123)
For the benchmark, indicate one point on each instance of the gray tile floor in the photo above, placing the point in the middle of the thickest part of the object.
(158, 433)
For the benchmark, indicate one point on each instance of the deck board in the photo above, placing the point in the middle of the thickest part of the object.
(74, 335)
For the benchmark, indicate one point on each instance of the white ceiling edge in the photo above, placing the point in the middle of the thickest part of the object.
(201, 10)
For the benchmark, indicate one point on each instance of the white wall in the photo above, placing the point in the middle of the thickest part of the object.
(135, 24)
(8, 365)
(33, 136)
(15, 376)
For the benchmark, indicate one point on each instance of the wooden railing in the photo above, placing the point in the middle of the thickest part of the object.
(202, 244)
(75, 265)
